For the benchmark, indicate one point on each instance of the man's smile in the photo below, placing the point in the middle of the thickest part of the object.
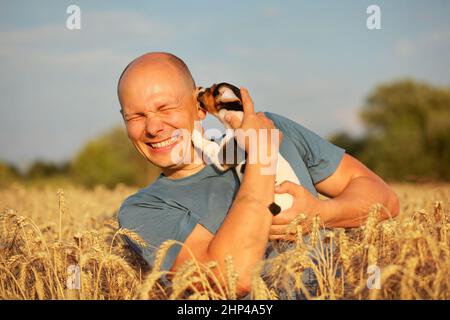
(164, 145)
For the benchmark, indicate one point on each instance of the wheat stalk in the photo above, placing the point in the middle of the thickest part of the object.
(412, 251)
(61, 206)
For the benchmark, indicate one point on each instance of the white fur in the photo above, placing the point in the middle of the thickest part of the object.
(227, 95)
(212, 149)
(209, 148)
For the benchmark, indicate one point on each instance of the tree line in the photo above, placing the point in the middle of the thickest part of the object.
(108, 160)
(406, 138)
(407, 132)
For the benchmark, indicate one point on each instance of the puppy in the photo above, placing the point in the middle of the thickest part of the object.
(218, 100)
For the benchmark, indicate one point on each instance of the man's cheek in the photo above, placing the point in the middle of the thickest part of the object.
(181, 153)
(180, 120)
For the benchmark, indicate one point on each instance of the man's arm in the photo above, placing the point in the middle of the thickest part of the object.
(244, 232)
(353, 189)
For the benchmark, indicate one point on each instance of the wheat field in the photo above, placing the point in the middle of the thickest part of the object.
(47, 233)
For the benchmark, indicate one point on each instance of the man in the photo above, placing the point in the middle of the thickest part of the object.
(210, 211)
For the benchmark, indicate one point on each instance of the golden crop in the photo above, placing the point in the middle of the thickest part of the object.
(45, 233)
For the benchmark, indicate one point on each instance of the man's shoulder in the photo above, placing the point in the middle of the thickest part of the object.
(149, 193)
(292, 130)
(133, 199)
(274, 116)
(283, 123)
(301, 135)
(142, 198)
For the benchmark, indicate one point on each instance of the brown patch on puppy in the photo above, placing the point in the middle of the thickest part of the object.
(207, 100)
(220, 96)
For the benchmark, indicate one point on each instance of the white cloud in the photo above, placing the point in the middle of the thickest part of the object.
(271, 11)
(107, 28)
(404, 48)
(423, 44)
(58, 85)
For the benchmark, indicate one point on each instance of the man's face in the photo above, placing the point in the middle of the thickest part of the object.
(157, 104)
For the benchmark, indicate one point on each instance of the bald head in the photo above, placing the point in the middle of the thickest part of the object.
(159, 106)
(153, 63)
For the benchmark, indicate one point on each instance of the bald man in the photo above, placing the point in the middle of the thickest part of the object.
(211, 212)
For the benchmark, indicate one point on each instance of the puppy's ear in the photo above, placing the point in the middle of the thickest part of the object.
(228, 95)
(197, 91)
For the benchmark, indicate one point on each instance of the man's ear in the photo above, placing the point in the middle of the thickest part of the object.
(201, 113)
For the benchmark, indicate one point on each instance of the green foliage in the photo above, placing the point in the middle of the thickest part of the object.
(408, 131)
(42, 169)
(8, 174)
(353, 146)
(111, 159)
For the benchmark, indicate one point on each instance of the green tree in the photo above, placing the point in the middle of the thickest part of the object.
(43, 169)
(353, 146)
(8, 174)
(408, 130)
(111, 159)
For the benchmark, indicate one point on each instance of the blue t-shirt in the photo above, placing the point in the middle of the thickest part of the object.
(171, 208)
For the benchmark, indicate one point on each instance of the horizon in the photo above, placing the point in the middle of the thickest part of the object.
(314, 63)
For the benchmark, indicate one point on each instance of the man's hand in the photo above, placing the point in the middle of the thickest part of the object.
(353, 190)
(248, 215)
(304, 203)
(254, 128)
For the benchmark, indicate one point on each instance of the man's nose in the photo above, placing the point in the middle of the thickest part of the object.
(154, 125)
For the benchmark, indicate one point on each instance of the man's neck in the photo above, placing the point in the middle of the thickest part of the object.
(196, 164)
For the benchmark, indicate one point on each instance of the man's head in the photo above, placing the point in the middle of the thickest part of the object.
(157, 97)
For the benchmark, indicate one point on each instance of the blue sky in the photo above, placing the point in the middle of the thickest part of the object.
(313, 62)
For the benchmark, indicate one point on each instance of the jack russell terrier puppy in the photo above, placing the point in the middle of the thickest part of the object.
(218, 100)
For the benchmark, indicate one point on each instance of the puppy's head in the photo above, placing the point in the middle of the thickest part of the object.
(206, 99)
(219, 96)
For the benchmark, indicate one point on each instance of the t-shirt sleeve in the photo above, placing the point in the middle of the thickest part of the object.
(320, 156)
(155, 221)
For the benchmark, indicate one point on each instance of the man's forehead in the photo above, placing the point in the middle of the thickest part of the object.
(157, 78)
(151, 88)
(152, 66)
(149, 98)
(146, 81)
